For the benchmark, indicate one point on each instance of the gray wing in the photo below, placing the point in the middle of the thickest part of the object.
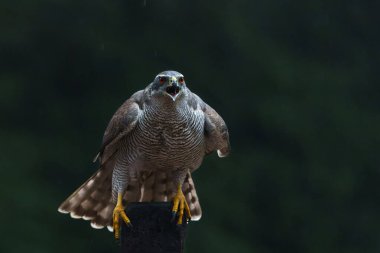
(215, 129)
(120, 125)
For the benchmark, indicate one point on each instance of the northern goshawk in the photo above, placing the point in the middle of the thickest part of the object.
(152, 144)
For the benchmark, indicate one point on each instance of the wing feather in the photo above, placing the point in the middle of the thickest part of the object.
(216, 131)
(121, 124)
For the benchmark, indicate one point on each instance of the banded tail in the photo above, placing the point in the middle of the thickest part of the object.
(93, 199)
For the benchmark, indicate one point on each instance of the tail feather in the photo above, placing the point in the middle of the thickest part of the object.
(133, 191)
(158, 186)
(92, 200)
(192, 199)
(147, 187)
(103, 217)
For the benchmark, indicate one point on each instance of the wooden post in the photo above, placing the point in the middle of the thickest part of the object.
(153, 230)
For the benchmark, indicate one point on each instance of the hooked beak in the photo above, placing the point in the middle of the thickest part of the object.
(173, 88)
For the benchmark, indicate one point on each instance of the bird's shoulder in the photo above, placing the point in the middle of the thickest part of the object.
(136, 99)
(216, 131)
(123, 121)
(195, 102)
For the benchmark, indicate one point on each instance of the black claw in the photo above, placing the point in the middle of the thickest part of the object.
(118, 241)
(129, 225)
(180, 225)
(174, 214)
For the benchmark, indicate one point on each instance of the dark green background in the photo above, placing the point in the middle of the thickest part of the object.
(296, 81)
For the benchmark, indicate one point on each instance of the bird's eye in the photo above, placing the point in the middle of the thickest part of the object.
(181, 79)
(162, 79)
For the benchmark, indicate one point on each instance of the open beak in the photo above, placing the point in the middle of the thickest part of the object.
(173, 88)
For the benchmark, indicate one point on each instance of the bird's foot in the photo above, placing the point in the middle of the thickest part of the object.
(118, 213)
(179, 202)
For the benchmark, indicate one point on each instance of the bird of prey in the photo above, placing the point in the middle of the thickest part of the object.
(152, 144)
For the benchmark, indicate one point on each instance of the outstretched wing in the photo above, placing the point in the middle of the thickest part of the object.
(122, 123)
(215, 129)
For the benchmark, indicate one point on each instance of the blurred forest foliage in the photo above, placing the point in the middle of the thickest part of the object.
(294, 80)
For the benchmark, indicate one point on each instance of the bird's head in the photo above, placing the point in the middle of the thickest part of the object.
(169, 83)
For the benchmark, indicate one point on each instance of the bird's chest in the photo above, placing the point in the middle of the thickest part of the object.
(172, 136)
(173, 131)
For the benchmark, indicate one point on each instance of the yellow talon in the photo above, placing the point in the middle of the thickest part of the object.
(179, 201)
(117, 213)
